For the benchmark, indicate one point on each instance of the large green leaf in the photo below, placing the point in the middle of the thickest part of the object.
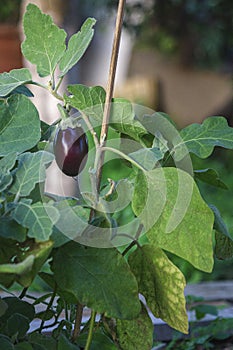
(22, 129)
(77, 46)
(98, 278)
(6, 164)
(45, 42)
(87, 99)
(136, 334)
(201, 139)
(177, 218)
(162, 284)
(39, 218)
(30, 171)
(12, 80)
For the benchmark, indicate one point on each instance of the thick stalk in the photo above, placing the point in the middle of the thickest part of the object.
(110, 86)
(78, 321)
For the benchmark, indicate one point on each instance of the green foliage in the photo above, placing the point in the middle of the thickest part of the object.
(108, 245)
(136, 334)
(94, 276)
(162, 284)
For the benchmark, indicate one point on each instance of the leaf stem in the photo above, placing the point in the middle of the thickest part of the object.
(59, 83)
(123, 155)
(78, 321)
(135, 241)
(91, 328)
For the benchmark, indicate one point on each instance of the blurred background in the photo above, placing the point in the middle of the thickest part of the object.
(176, 56)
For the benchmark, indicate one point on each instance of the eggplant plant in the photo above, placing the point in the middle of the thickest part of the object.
(107, 249)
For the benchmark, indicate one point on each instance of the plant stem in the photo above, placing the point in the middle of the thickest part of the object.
(90, 127)
(78, 320)
(110, 86)
(135, 241)
(48, 307)
(91, 328)
(23, 293)
(123, 155)
(59, 84)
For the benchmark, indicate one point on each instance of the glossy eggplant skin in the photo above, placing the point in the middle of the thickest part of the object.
(70, 149)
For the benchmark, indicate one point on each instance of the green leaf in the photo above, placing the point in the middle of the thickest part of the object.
(39, 218)
(72, 221)
(136, 334)
(22, 129)
(11, 229)
(17, 306)
(23, 346)
(211, 177)
(17, 326)
(24, 90)
(8, 252)
(65, 344)
(77, 46)
(122, 119)
(6, 164)
(177, 219)
(21, 262)
(87, 99)
(99, 341)
(223, 246)
(30, 171)
(147, 157)
(223, 240)
(3, 307)
(162, 285)
(44, 341)
(14, 79)
(18, 269)
(40, 252)
(5, 343)
(45, 42)
(204, 309)
(94, 277)
(201, 139)
(219, 224)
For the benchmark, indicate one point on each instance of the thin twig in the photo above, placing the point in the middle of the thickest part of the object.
(110, 86)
